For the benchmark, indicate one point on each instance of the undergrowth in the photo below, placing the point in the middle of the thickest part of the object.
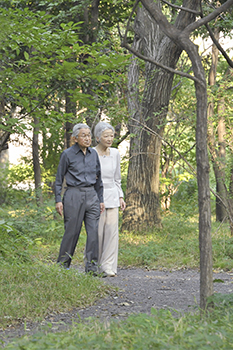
(29, 292)
(161, 330)
(32, 285)
(176, 245)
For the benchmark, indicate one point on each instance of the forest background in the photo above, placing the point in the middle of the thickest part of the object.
(64, 62)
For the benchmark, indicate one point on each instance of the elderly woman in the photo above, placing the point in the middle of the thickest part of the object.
(83, 198)
(113, 198)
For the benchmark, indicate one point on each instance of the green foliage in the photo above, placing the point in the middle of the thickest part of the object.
(14, 245)
(124, 172)
(114, 12)
(29, 292)
(161, 330)
(185, 200)
(3, 183)
(43, 59)
(32, 284)
(30, 239)
(20, 173)
(221, 301)
(176, 245)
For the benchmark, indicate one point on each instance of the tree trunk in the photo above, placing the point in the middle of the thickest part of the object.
(70, 108)
(217, 150)
(142, 195)
(221, 212)
(182, 39)
(36, 162)
(205, 242)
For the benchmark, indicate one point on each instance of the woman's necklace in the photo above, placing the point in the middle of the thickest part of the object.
(103, 153)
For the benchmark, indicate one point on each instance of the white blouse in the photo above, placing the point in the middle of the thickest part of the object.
(111, 177)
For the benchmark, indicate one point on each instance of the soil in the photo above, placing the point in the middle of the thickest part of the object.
(135, 291)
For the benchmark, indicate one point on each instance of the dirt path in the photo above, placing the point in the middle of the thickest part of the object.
(138, 291)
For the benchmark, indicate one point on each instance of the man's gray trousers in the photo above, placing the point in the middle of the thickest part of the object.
(80, 204)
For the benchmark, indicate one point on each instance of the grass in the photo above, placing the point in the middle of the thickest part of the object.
(30, 292)
(176, 245)
(159, 331)
(32, 285)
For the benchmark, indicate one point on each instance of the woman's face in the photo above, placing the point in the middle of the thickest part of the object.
(106, 138)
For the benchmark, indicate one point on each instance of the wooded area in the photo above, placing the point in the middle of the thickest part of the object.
(138, 62)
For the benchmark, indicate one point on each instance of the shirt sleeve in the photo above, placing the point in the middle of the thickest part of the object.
(117, 175)
(61, 171)
(99, 184)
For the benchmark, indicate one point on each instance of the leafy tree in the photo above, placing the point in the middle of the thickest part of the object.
(181, 37)
(45, 65)
(149, 105)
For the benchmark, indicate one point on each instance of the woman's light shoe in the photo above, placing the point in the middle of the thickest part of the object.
(109, 273)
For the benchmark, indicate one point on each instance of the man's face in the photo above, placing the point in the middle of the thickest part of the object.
(84, 138)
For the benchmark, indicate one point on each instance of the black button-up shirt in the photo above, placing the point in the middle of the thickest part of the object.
(80, 170)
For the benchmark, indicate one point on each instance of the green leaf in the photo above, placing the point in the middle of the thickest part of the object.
(218, 280)
(26, 55)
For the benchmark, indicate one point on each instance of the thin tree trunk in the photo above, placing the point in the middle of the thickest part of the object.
(221, 212)
(70, 108)
(217, 150)
(205, 241)
(36, 162)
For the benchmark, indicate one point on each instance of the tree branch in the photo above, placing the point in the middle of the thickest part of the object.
(172, 32)
(193, 171)
(205, 20)
(3, 140)
(171, 70)
(136, 53)
(219, 47)
(130, 18)
(181, 8)
(216, 43)
(169, 144)
(123, 138)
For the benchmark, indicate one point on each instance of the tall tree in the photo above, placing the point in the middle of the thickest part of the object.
(218, 152)
(36, 161)
(44, 65)
(181, 37)
(143, 201)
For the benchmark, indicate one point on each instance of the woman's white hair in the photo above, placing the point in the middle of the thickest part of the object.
(100, 128)
(78, 127)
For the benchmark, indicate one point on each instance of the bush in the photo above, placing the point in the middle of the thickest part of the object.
(185, 200)
(14, 245)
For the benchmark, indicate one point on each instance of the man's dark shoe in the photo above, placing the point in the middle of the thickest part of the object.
(64, 266)
(92, 268)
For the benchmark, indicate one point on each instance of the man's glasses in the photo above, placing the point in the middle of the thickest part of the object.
(84, 136)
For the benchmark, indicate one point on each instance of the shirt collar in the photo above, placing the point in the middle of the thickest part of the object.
(78, 149)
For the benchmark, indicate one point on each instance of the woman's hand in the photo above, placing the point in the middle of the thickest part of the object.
(122, 204)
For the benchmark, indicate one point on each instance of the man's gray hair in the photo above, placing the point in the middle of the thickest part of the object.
(77, 128)
(101, 127)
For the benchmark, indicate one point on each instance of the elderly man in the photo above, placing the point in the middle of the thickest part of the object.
(83, 198)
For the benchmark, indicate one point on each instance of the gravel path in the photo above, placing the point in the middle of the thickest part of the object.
(137, 291)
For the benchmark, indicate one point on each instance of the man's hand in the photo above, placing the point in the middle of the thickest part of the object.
(102, 208)
(59, 208)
